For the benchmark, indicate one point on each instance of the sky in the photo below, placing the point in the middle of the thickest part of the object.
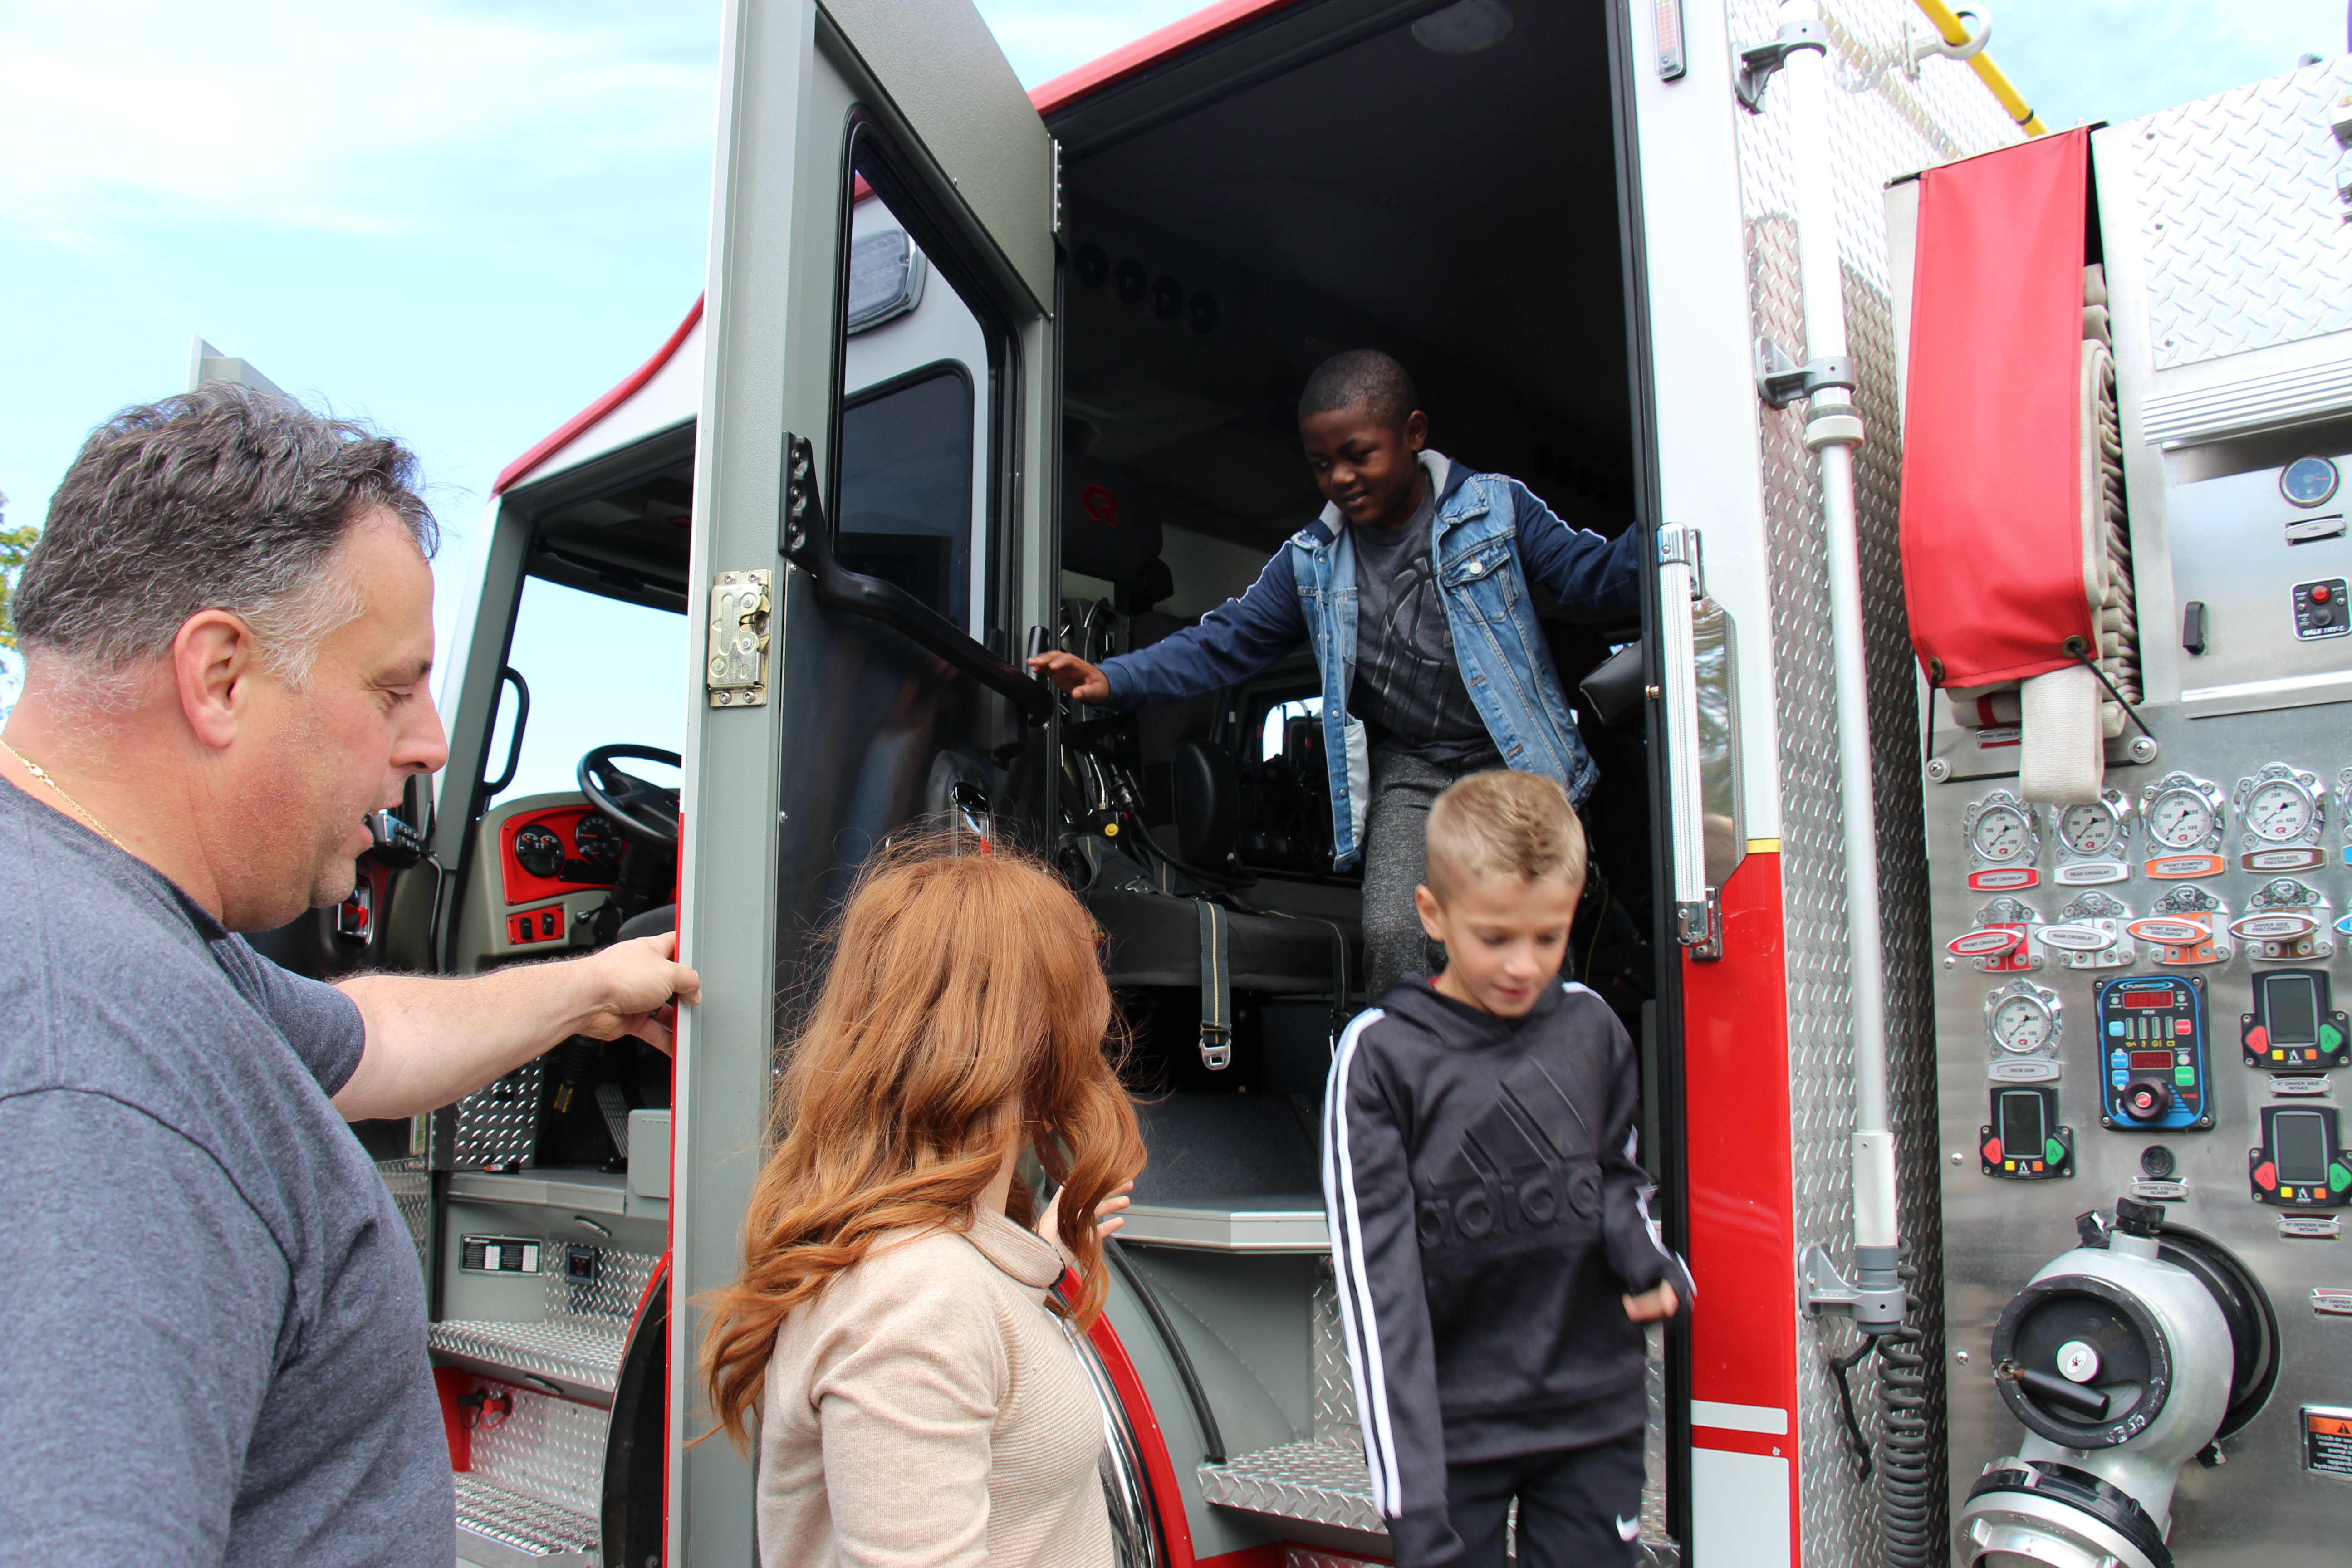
(465, 221)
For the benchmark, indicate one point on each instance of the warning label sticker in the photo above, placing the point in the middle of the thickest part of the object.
(2327, 1440)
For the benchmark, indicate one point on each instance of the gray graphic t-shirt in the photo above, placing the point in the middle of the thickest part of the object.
(212, 1341)
(1408, 689)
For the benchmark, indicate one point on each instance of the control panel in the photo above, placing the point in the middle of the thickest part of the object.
(2293, 1027)
(2319, 609)
(2152, 1039)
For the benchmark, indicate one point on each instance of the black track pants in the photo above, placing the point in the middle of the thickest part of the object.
(1581, 1507)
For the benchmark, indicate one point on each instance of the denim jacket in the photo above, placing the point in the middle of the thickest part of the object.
(1489, 536)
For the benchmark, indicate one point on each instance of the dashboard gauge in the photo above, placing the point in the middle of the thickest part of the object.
(2308, 481)
(2278, 812)
(2090, 828)
(600, 841)
(2023, 1023)
(2180, 818)
(2001, 834)
(539, 851)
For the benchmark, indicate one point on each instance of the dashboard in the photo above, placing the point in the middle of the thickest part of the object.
(558, 860)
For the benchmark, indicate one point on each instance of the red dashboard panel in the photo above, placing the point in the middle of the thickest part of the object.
(579, 874)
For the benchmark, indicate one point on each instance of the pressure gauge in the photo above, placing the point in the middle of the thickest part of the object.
(2308, 481)
(2279, 806)
(2180, 818)
(2023, 1024)
(2182, 813)
(2280, 812)
(2023, 1021)
(2002, 835)
(2091, 829)
(539, 851)
(1999, 830)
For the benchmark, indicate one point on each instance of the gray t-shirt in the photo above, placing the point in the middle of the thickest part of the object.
(1408, 689)
(212, 1338)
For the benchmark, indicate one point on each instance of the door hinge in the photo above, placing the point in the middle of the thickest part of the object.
(1054, 147)
(736, 673)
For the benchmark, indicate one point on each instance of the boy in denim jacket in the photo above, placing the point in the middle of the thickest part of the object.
(1412, 589)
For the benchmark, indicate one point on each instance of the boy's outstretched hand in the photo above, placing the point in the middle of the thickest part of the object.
(1078, 678)
(1652, 1305)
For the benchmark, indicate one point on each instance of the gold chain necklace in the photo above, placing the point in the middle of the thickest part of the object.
(84, 812)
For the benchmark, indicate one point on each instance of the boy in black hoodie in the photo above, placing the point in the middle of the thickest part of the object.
(1489, 1228)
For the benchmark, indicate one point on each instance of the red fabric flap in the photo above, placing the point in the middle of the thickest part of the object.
(1991, 517)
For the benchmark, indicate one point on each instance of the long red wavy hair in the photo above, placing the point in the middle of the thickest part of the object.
(964, 1012)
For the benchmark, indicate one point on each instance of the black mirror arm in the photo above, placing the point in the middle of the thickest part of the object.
(807, 542)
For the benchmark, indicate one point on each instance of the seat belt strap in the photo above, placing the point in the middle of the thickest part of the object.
(1216, 990)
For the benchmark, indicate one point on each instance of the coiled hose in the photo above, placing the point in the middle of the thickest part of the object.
(1907, 1482)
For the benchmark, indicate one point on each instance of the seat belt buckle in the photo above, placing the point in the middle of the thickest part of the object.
(1216, 1049)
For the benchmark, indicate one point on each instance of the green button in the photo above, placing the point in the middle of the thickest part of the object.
(2055, 1151)
(2184, 1074)
(2331, 1038)
(2338, 1178)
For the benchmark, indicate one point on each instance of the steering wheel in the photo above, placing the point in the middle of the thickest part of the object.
(644, 811)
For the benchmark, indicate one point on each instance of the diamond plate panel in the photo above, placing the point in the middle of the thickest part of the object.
(528, 1530)
(498, 1124)
(2245, 237)
(583, 1353)
(608, 1297)
(549, 1448)
(1882, 124)
(412, 1194)
(1335, 1420)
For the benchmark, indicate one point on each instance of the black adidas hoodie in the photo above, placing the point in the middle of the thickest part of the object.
(1487, 1217)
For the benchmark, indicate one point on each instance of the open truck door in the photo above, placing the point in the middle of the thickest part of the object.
(874, 682)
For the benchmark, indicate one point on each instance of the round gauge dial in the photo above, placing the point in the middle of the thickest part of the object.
(2278, 812)
(2089, 829)
(2001, 834)
(2308, 481)
(539, 851)
(2179, 818)
(600, 841)
(2022, 1023)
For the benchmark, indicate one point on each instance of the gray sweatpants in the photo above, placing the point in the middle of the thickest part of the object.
(1405, 786)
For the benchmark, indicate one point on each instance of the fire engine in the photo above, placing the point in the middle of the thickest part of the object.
(1976, 805)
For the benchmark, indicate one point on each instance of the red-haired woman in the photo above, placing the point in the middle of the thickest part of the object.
(920, 1401)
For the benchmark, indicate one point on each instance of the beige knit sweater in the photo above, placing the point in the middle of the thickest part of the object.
(926, 1411)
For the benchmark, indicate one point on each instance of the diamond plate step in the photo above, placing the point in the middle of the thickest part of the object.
(1321, 1483)
(499, 1529)
(584, 1357)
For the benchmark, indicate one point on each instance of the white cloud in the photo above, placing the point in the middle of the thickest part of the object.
(316, 116)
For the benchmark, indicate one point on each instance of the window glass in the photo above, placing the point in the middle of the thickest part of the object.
(1271, 738)
(602, 672)
(913, 489)
(905, 489)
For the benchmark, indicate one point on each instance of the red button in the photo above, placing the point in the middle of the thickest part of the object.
(2320, 593)
(2266, 1176)
(1993, 1151)
(2258, 1038)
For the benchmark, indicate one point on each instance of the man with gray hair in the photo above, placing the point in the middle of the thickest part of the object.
(213, 1350)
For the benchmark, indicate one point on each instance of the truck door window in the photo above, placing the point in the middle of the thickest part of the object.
(906, 486)
(600, 671)
(922, 359)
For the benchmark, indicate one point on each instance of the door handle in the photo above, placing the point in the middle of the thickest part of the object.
(1699, 917)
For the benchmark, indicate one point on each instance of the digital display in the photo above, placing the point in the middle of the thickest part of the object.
(2020, 1124)
(2164, 998)
(2290, 1008)
(2150, 1061)
(2299, 1148)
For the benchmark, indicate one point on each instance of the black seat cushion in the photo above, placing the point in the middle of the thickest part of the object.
(653, 923)
(1155, 940)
